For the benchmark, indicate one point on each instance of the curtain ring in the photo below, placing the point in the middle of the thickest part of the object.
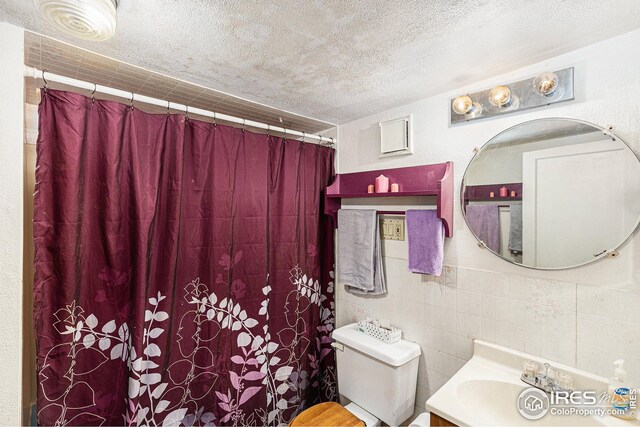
(321, 141)
(168, 108)
(46, 83)
(214, 120)
(93, 93)
(244, 121)
(131, 100)
(304, 137)
(268, 129)
(186, 112)
(332, 143)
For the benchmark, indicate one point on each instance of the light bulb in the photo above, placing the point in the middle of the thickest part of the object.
(462, 104)
(546, 84)
(465, 106)
(500, 96)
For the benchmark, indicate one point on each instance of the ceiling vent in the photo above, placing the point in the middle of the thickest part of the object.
(86, 19)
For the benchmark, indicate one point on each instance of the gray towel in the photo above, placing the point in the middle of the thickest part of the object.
(515, 231)
(359, 252)
(484, 222)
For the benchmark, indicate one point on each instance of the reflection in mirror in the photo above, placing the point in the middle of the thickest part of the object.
(552, 193)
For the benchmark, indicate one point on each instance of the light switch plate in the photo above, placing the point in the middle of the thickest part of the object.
(392, 228)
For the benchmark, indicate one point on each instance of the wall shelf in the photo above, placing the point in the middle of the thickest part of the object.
(427, 180)
(481, 193)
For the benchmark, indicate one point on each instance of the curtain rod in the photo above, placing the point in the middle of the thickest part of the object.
(80, 84)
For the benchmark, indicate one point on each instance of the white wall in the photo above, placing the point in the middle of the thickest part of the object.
(503, 164)
(11, 208)
(571, 316)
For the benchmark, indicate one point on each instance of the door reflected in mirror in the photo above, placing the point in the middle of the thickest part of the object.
(552, 193)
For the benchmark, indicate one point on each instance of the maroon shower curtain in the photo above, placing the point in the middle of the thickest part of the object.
(183, 270)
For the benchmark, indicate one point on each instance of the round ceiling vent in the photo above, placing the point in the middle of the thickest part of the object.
(85, 19)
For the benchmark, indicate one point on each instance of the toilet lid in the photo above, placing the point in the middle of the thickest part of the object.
(327, 414)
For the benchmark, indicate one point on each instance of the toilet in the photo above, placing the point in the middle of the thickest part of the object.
(378, 379)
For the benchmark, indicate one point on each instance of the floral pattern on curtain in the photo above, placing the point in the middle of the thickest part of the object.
(183, 270)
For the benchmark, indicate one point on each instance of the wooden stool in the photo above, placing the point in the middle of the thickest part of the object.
(328, 414)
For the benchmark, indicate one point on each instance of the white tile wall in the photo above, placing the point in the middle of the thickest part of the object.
(577, 325)
(608, 328)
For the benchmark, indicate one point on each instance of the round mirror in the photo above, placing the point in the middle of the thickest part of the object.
(552, 193)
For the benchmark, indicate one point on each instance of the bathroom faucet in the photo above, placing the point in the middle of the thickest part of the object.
(544, 382)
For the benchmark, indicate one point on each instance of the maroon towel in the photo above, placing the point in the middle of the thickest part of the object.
(425, 234)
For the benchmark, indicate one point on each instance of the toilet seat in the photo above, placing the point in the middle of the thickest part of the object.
(327, 414)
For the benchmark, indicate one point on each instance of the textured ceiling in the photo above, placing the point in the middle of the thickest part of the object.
(343, 59)
(56, 57)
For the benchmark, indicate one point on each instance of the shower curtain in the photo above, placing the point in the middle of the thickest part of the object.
(183, 270)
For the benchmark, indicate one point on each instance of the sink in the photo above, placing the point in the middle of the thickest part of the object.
(493, 401)
(485, 392)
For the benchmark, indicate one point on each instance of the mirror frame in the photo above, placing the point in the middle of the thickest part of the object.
(613, 252)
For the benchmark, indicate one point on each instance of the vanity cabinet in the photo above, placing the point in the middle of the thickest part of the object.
(438, 421)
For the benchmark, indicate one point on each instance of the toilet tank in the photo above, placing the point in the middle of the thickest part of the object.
(381, 378)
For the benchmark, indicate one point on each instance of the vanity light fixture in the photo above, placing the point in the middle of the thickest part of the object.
(544, 89)
(86, 19)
